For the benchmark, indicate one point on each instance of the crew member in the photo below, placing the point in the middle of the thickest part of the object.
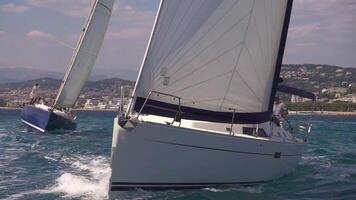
(34, 94)
(279, 111)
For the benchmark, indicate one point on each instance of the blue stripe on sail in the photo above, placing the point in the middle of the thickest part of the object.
(154, 107)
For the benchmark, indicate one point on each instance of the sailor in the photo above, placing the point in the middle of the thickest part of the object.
(34, 93)
(279, 111)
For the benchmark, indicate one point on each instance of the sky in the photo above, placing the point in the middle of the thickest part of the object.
(41, 34)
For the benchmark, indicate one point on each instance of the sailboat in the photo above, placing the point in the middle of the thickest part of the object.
(200, 113)
(57, 116)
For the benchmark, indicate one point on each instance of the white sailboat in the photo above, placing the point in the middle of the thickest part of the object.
(51, 117)
(201, 111)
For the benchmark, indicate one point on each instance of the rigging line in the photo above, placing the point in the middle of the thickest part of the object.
(268, 30)
(272, 22)
(154, 43)
(71, 62)
(240, 108)
(238, 58)
(160, 31)
(200, 100)
(254, 66)
(260, 44)
(202, 37)
(224, 108)
(201, 103)
(208, 47)
(203, 66)
(201, 82)
(158, 66)
(170, 24)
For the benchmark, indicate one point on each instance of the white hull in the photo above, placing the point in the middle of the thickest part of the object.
(158, 156)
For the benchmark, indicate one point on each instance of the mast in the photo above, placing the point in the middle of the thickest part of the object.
(282, 45)
(85, 54)
(134, 95)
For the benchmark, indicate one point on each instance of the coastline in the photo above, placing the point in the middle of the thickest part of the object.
(75, 109)
(290, 112)
(321, 113)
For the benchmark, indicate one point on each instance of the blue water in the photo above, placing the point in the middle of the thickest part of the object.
(76, 165)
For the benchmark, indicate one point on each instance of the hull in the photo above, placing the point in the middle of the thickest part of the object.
(156, 156)
(45, 119)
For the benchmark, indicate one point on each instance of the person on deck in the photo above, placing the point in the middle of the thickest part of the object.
(34, 94)
(279, 111)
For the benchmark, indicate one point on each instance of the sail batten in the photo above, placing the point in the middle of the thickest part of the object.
(221, 50)
(85, 54)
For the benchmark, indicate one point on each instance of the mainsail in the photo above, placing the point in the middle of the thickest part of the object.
(85, 54)
(213, 60)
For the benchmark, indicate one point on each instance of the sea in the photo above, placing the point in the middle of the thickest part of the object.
(76, 165)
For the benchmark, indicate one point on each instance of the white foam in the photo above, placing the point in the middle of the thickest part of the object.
(78, 186)
(89, 179)
(93, 185)
(248, 189)
(312, 157)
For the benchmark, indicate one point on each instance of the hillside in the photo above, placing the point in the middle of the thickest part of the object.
(327, 82)
(19, 74)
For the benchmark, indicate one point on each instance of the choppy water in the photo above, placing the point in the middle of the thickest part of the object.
(76, 165)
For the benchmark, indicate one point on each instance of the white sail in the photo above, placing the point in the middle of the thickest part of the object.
(215, 55)
(85, 54)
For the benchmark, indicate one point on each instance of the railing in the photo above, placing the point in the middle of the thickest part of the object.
(178, 114)
(232, 120)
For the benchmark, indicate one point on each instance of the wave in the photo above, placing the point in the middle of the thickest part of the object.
(88, 178)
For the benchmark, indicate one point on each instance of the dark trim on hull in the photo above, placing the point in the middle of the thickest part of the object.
(282, 44)
(225, 150)
(154, 107)
(44, 120)
(125, 186)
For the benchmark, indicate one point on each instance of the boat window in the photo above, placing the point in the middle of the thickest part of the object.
(252, 131)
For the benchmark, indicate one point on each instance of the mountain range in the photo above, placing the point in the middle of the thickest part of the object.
(322, 80)
(11, 75)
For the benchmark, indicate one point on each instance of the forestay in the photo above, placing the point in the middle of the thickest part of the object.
(219, 57)
(85, 54)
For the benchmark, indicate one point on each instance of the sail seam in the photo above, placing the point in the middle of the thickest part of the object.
(208, 47)
(205, 65)
(211, 78)
(259, 43)
(105, 6)
(254, 65)
(202, 37)
(166, 33)
(156, 69)
(245, 82)
(170, 50)
(238, 58)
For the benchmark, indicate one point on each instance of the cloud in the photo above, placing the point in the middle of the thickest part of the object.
(77, 8)
(39, 35)
(129, 22)
(303, 30)
(13, 8)
(128, 33)
(322, 32)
